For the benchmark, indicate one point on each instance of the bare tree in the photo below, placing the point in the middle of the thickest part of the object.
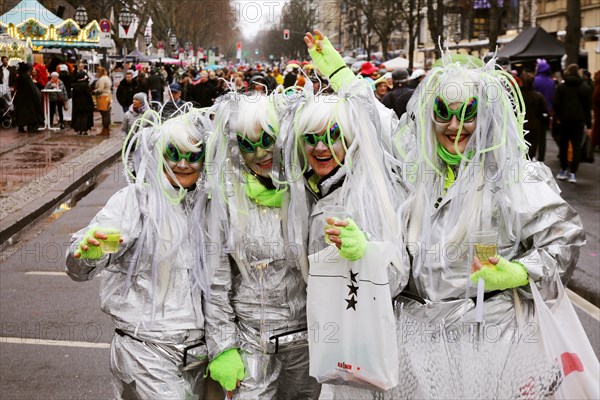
(204, 24)
(207, 23)
(573, 37)
(411, 11)
(299, 16)
(383, 17)
(497, 15)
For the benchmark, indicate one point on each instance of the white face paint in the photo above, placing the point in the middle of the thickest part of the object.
(446, 132)
(320, 156)
(260, 161)
(186, 173)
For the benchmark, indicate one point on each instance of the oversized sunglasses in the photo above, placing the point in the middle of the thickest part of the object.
(248, 146)
(172, 153)
(465, 113)
(328, 138)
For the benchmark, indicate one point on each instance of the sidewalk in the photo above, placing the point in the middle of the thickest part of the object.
(584, 198)
(39, 171)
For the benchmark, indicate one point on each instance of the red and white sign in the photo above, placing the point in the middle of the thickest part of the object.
(104, 25)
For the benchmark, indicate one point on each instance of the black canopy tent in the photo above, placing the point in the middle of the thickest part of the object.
(531, 44)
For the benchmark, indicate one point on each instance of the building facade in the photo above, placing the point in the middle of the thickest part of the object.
(552, 16)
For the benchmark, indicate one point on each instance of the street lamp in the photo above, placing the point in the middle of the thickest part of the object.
(81, 16)
(125, 17)
(173, 42)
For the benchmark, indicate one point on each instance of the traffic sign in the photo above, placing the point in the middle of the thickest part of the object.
(105, 39)
(286, 34)
(104, 25)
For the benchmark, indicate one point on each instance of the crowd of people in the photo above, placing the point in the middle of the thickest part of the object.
(226, 218)
(555, 104)
(68, 86)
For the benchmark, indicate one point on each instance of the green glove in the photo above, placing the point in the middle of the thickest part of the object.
(93, 252)
(328, 60)
(504, 275)
(227, 368)
(354, 242)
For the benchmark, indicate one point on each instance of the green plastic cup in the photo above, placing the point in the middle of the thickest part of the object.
(111, 243)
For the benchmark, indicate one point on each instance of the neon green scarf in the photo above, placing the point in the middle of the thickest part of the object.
(261, 195)
(451, 159)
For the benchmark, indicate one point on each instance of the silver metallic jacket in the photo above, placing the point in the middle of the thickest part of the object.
(552, 235)
(331, 195)
(178, 317)
(257, 290)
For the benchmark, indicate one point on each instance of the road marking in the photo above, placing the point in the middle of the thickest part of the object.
(47, 273)
(585, 305)
(63, 343)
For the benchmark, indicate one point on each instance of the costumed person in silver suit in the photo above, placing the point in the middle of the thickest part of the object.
(152, 285)
(256, 308)
(337, 152)
(463, 149)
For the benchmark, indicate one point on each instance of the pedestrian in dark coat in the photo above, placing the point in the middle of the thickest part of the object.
(398, 98)
(156, 84)
(8, 75)
(536, 114)
(203, 94)
(290, 79)
(572, 110)
(127, 88)
(83, 105)
(186, 86)
(28, 101)
(66, 78)
(172, 107)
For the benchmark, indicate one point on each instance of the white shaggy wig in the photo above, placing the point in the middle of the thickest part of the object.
(236, 114)
(369, 187)
(491, 169)
(165, 209)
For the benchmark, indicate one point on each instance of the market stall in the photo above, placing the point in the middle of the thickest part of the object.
(32, 23)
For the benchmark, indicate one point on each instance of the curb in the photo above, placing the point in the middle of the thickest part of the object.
(583, 304)
(39, 208)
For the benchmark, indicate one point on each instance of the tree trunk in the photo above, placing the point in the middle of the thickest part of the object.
(573, 31)
(493, 22)
(435, 21)
(384, 48)
(411, 21)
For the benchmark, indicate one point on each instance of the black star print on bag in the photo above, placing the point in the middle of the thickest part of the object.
(353, 292)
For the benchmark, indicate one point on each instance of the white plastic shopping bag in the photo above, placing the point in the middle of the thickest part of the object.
(565, 340)
(352, 329)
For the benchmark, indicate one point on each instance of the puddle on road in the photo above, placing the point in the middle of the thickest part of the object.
(76, 196)
(35, 160)
(60, 210)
